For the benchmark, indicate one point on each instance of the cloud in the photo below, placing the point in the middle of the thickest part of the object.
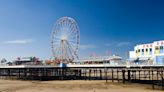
(123, 44)
(24, 41)
(87, 47)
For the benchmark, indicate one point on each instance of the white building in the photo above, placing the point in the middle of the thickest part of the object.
(112, 60)
(153, 53)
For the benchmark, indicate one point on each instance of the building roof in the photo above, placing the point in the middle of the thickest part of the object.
(101, 58)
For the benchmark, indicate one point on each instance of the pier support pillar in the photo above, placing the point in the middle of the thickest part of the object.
(112, 76)
(129, 77)
(123, 76)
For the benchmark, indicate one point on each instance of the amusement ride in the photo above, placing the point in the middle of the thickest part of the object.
(65, 40)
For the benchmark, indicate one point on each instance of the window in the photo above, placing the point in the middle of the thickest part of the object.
(139, 50)
(150, 51)
(146, 50)
(142, 51)
(156, 48)
(161, 47)
(136, 51)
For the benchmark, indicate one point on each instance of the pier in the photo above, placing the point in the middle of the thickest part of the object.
(151, 75)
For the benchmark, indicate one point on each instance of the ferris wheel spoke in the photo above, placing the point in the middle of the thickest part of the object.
(72, 44)
(73, 29)
(57, 28)
(67, 54)
(70, 47)
(72, 26)
(56, 48)
(72, 41)
(56, 36)
(63, 24)
(74, 52)
(55, 43)
(67, 23)
(72, 36)
(56, 52)
(70, 51)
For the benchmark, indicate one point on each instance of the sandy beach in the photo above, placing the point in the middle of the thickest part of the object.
(71, 86)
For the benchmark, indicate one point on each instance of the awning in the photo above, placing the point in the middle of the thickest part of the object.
(145, 58)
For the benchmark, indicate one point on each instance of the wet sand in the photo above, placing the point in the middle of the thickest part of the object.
(71, 86)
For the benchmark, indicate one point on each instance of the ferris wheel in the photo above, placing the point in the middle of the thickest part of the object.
(65, 40)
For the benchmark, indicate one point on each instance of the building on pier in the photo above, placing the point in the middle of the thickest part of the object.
(27, 61)
(112, 60)
(149, 53)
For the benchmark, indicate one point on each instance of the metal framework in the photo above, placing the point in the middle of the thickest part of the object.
(65, 40)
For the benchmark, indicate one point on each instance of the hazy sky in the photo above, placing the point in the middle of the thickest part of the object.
(106, 26)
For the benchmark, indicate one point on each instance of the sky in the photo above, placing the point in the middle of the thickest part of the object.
(106, 26)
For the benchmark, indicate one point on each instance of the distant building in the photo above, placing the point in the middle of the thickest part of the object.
(150, 53)
(27, 61)
(112, 60)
